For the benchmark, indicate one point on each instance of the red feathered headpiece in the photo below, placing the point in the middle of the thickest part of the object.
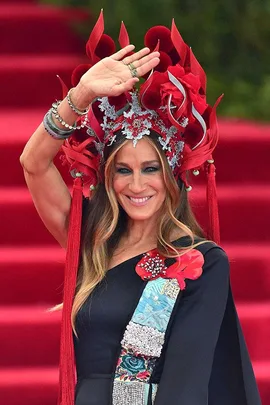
(171, 102)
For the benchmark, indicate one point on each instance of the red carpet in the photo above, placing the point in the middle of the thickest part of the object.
(39, 43)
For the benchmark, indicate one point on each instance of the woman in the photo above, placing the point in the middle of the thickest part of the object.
(152, 314)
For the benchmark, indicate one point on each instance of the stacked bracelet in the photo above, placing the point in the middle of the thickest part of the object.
(73, 107)
(61, 120)
(53, 130)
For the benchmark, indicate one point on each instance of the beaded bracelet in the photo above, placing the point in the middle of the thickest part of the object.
(53, 130)
(58, 130)
(61, 120)
(73, 107)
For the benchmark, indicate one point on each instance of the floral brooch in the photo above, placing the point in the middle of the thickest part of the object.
(188, 266)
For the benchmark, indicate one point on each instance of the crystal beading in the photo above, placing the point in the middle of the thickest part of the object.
(154, 392)
(136, 122)
(56, 114)
(171, 288)
(107, 108)
(143, 339)
(153, 265)
(132, 393)
(174, 160)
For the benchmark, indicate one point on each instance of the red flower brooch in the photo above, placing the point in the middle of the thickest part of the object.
(187, 266)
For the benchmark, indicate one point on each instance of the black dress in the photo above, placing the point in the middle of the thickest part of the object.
(204, 360)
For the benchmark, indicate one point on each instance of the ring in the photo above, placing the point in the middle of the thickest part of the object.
(133, 70)
(131, 66)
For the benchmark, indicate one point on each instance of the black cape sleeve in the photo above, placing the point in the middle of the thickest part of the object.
(206, 361)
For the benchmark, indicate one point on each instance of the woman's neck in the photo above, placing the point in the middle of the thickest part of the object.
(141, 237)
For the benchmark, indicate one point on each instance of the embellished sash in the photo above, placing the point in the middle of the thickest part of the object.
(143, 341)
(144, 336)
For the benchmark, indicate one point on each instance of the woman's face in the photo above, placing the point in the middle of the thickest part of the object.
(138, 180)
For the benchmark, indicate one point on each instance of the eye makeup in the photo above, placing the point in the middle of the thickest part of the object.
(149, 169)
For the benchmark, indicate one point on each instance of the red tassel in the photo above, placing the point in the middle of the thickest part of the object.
(66, 394)
(214, 230)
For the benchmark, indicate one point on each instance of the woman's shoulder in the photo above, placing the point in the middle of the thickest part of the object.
(214, 254)
(201, 244)
(216, 267)
(215, 273)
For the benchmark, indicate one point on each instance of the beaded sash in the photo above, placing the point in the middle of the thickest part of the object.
(142, 343)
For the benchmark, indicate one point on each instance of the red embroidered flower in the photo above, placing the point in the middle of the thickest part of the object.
(143, 375)
(151, 266)
(187, 266)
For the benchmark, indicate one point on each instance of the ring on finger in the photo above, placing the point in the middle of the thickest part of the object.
(132, 66)
(133, 70)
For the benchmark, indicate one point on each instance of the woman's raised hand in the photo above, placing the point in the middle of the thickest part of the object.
(114, 75)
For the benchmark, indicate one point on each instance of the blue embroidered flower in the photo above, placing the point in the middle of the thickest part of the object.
(133, 364)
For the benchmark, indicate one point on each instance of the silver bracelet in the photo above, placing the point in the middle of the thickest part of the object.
(73, 107)
(53, 130)
(61, 120)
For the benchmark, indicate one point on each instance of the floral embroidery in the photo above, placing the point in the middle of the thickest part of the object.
(187, 266)
(133, 368)
(155, 306)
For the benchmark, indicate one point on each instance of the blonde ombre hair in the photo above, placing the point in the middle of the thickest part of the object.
(105, 221)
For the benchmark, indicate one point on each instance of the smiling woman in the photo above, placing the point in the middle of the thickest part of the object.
(139, 225)
(140, 186)
(147, 305)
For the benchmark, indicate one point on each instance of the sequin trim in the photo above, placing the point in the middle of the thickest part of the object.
(154, 392)
(143, 339)
(132, 393)
(171, 288)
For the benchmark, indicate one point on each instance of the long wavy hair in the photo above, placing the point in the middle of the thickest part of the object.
(105, 221)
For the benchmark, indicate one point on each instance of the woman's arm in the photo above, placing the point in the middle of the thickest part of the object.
(49, 192)
(109, 77)
(194, 334)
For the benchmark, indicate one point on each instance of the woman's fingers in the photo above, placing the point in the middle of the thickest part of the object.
(125, 86)
(143, 64)
(147, 66)
(136, 56)
(145, 59)
(121, 54)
